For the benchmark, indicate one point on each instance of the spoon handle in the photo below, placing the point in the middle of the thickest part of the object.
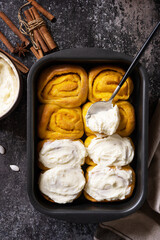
(135, 61)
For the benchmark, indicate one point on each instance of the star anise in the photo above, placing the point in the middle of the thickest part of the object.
(21, 49)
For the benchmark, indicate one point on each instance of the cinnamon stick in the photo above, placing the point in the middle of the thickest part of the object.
(6, 42)
(44, 31)
(35, 52)
(41, 9)
(39, 49)
(39, 37)
(40, 53)
(35, 31)
(14, 28)
(18, 64)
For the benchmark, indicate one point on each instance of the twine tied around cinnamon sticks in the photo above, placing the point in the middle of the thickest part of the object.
(27, 28)
(35, 27)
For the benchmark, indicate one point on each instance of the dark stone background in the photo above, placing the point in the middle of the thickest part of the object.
(120, 25)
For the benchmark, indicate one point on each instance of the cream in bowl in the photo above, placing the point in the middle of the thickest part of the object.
(9, 85)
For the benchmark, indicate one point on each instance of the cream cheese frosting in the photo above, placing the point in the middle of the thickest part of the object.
(104, 122)
(111, 151)
(9, 85)
(108, 183)
(62, 184)
(62, 152)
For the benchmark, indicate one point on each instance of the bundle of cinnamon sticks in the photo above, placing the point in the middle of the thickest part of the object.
(42, 37)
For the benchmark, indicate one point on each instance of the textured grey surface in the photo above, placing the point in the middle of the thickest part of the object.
(118, 25)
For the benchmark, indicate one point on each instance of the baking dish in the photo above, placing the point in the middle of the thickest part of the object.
(82, 210)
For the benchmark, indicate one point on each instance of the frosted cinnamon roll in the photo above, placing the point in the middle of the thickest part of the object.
(59, 123)
(102, 123)
(61, 152)
(120, 120)
(105, 184)
(61, 184)
(64, 85)
(110, 151)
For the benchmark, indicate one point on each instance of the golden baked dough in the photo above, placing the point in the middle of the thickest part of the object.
(64, 85)
(132, 185)
(85, 108)
(87, 143)
(59, 123)
(103, 80)
(88, 140)
(127, 122)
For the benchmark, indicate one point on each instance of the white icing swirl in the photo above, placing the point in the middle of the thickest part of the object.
(108, 183)
(62, 184)
(111, 151)
(62, 152)
(104, 122)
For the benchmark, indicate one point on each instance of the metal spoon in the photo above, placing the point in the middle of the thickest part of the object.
(106, 105)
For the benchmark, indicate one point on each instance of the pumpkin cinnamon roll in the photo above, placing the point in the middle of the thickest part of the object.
(102, 123)
(62, 184)
(121, 121)
(103, 80)
(127, 116)
(64, 152)
(108, 184)
(64, 85)
(59, 123)
(109, 151)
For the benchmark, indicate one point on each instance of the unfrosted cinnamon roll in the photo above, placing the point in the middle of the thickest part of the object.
(62, 184)
(109, 151)
(59, 123)
(103, 80)
(64, 152)
(108, 184)
(64, 85)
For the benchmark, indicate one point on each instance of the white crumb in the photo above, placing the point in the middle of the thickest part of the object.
(14, 168)
(2, 150)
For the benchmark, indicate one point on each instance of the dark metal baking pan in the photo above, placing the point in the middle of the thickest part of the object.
(82, 210)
